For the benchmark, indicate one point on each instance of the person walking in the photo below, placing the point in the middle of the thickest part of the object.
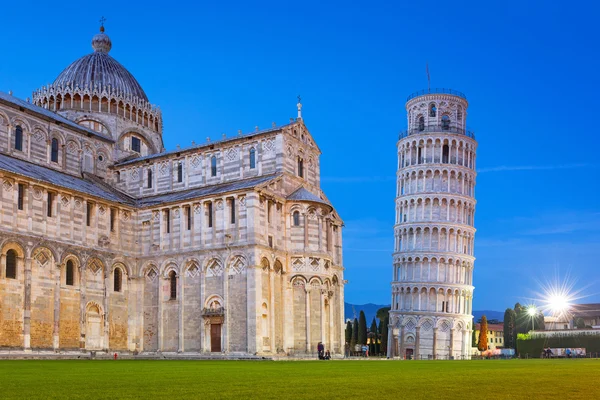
(320, 349)
(346, 350)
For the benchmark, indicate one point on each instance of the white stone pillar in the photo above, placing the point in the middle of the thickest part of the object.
(307, 314)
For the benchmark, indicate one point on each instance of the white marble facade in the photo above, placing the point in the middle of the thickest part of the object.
(109, 242)
(432, 282)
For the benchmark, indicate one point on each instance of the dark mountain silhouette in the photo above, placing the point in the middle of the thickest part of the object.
(370, 310)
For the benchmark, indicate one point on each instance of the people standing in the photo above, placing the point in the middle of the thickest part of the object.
(320, 349)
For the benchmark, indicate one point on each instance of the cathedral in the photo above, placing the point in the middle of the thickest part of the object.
(109, 242)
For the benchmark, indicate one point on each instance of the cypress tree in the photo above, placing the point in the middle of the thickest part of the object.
(382, 313)
(483, 339)
(375, 336)
(518, 324)
(383, 326)
(354, 338)
(540, 324)
(362, 328)
(473, 336)
(348, 332)
(509, 328)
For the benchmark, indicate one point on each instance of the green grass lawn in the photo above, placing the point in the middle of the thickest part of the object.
(485, 379)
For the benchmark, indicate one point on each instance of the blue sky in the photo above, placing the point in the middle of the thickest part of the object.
(529, 70)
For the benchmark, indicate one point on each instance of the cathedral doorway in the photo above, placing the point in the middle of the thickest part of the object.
(409, 354)
(215, 338)
(93, 328)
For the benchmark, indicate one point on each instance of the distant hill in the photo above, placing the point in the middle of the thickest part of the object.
(370, 310)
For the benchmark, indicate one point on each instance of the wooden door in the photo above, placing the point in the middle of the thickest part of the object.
(93, 334)
(215, 338)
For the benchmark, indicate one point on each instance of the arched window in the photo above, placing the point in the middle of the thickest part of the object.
(180, 172)
(11, 264)
(445, 122)
(149, 179)
(445, 153)
(173, 284)
(69, 273)
(300, 167)
(421, 123)
(213, 166)
(136, 144)
(459, 113)
(54, 150)
(117, 280)
(118, 176)
(296, 216)
(94, 125)
(252, 158)
(19, 138)
(432, 110)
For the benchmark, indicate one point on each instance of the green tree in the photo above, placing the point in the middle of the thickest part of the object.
(580, 323)
(354, 338)
(509, 328)
(362, 328)
(540, 325)
(473, 337)
(483, 339)
(348, 332)
(374, 336)
(383, 327)
(382, 313)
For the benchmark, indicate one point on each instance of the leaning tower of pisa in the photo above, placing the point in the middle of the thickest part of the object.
(432, 283)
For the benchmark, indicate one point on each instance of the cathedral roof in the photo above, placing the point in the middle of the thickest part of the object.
(97, 188)
(99, 70)
(302, 194)
(50, 176)
(206, 191)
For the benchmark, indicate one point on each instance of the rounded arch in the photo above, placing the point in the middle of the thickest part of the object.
(211, 260)
(41, 248)
(264, 263)
(213, 302)
(121, 265)
(135, 131)
(296, 279)
(70, 256)
(13, 245)
(17, 120)
(170, 266)
(54, 134)
(41, 130)
(278, 266)
(4, 118)
(315, 280)
(94, 307)
(236, 264)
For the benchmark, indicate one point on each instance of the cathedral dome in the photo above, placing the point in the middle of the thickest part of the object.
(99, 70)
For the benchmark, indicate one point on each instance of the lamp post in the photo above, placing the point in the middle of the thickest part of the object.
(532, 311)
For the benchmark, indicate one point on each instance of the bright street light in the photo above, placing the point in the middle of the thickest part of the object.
(558, 303)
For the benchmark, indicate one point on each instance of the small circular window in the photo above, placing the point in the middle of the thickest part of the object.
(100, 158)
